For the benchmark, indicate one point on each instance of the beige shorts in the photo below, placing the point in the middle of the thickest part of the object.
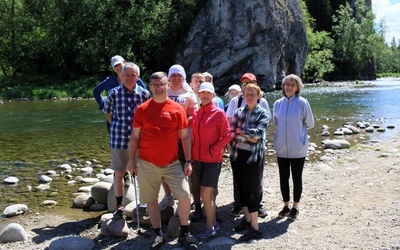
(119, 159)
(149, 179)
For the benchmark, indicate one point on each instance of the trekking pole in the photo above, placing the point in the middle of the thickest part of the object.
(133, 179)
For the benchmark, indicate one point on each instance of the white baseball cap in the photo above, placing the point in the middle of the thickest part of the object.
(207, 74)
(115, 60)
(235, 87)
(207, 86)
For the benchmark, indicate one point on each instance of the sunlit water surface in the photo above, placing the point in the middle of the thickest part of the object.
(37, 136)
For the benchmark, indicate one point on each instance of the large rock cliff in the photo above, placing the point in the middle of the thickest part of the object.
(231, 37)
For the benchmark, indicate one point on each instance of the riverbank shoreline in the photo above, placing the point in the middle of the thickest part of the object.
(52, 94)
(350, 200)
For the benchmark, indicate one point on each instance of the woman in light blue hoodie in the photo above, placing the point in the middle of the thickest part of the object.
(292, 117)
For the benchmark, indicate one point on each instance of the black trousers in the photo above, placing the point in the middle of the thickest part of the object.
(248, 181)
(260, 189)
(295, 166)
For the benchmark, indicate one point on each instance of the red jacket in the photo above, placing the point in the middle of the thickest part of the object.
(211, 133)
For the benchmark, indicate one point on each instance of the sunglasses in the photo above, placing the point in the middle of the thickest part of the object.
(245, 83)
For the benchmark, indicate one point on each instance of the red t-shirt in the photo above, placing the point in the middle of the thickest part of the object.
(159, 123)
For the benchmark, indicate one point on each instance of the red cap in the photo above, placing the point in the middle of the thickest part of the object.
(249, 76)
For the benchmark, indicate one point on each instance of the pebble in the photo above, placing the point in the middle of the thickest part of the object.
(323, 167)
(13, 232)
(65, 166)
(85, 189)
(86, 170)
(15, 209)
(72, 243)
(51, 173)
(11, 180)
(90, 180)
(49, 203)
(42, 187)
(99, 191)
(45, 179)
(83, 201)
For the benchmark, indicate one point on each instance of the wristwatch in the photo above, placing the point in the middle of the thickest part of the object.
(188, 161)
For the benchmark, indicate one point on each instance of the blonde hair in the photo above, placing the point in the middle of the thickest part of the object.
(294, 78)
(253, 86)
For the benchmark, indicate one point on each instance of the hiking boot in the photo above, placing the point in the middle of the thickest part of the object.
(119, 212)
(252, 234)
(158, 241)
(293, 213)
(187, 243)
(243, 225)
(262, 212)
(207, 232)
(236, 211)
(197, 215)
(167, 201)
(284, 212)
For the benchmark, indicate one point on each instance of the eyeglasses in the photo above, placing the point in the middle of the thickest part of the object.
(245, 83)
(157, 85)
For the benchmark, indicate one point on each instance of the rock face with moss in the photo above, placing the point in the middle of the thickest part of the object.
(229, 38)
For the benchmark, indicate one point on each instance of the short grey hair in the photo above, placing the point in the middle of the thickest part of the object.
(159, 75)
(296, 79)
(131, 65)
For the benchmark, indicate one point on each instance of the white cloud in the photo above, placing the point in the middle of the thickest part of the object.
(390, 12)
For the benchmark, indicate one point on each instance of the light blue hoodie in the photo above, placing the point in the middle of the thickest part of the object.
(292, 117)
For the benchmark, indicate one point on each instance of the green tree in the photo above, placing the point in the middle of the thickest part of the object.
(72, 39)
(320, 55)
(355, 40)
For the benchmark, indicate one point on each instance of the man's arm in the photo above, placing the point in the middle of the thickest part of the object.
(189, 115)
(133, 146)
(187, 149)
(109, 117)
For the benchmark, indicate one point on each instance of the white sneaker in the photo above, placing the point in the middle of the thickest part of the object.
(167, 201)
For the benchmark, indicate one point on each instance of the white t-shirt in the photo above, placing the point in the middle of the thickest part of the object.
(233, 105)
(187, 99)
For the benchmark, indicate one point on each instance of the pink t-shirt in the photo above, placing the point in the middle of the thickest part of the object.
(187, 99)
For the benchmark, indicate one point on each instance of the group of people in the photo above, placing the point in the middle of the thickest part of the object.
(175, 135)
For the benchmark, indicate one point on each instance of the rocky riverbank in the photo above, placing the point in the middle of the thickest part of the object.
(350, 201)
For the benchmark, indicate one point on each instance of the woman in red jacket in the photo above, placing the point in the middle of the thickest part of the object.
(211, 133)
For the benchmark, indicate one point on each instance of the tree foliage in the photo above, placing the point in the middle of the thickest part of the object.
(50, 42)
(355, 39)
(320, 55)
(72, 38)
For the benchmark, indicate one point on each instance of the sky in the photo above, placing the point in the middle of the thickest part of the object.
(390, 11)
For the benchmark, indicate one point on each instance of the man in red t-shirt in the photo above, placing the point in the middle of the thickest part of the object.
(156, 126)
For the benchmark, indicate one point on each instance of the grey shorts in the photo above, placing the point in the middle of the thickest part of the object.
(119, 159)
(204, 174)
(149, 178)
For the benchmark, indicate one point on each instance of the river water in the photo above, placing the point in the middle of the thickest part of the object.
(37, 136)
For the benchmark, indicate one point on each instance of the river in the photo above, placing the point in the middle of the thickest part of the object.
(37, 136)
